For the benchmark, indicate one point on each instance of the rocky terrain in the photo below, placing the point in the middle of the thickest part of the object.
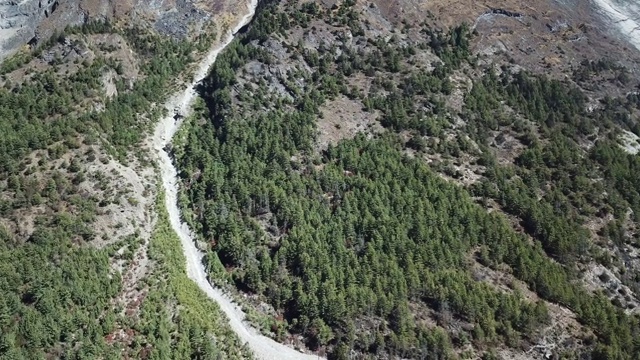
(33, 21)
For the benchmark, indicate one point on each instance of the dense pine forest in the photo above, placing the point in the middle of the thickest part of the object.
(363, 246)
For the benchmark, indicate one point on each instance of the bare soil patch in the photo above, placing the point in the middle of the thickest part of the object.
(343, 118)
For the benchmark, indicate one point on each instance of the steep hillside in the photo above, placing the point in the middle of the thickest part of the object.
(386, 184)
(89, 265)
(369, 179)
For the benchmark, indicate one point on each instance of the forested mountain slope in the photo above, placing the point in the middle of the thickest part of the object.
(372, 179)
(89, 267)
(384, 188)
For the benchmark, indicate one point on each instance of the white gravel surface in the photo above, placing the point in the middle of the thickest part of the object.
(262, 346)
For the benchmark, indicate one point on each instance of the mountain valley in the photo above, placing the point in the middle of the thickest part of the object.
(343, 179)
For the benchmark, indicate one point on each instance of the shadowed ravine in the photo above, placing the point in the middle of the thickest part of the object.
(262, 346)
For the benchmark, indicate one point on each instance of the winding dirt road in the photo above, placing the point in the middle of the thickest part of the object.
(262, 346)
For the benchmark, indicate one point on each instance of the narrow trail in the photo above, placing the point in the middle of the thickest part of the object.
(262, 346)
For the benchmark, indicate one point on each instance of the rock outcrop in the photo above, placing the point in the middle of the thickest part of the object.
(31, 21)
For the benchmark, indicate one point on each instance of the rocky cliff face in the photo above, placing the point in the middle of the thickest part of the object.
(30, 21)
(27, 21)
